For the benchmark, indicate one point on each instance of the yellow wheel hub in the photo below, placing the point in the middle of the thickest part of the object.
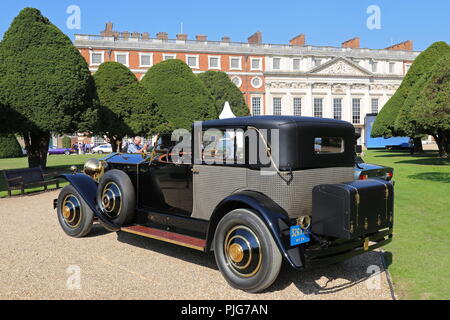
(66, 212)
(236, 253)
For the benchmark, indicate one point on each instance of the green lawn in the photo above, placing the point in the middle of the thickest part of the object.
(420, 252)
(57, 163)
(419, 255)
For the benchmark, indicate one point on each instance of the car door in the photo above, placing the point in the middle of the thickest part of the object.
(170, 181)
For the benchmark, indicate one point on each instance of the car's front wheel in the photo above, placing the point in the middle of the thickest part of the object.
(74, 215)
(245, 251)
(116, 197)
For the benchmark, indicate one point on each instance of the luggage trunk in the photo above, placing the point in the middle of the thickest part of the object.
(353, 209)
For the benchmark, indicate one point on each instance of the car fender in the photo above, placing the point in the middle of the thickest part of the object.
(87, 188)
(275, 218)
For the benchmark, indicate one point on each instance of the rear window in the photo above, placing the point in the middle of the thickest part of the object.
(329, 145)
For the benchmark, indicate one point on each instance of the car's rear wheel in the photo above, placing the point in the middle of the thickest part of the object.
(116, 197)
(245, 251)
(74, 215)
(67, 153)
(100, 152)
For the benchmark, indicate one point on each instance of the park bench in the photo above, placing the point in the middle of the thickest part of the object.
(20, 179)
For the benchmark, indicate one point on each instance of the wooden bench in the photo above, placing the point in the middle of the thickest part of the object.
(20, 179)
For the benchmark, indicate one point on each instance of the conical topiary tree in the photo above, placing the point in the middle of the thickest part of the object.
(431, 112)
(180, 95)
(386, 124)
(223, 90)
(45, 83)
(127, 107)
(10, 147)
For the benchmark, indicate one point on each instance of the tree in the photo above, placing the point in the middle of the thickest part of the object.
(66, 142)
(386, 124)
(45, 83)
(10, 147)
(431, 112)
(126, 107)
(180, 95)
(223, 90)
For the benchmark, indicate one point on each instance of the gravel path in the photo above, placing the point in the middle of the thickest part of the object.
(38, 259)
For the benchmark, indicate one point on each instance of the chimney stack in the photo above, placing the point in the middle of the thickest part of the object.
(182, 36)
(146, 36)
(201, 37)
(136, 35)
(162, 36)
(256, 38)
(298, 41)
(226, 39)
(125, 35)
(405, 46)
(108, 32)
(352, 43)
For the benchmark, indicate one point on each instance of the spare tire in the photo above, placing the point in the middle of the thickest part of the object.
(116, 197)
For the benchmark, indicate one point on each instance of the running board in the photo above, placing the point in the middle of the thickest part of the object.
(175, 238)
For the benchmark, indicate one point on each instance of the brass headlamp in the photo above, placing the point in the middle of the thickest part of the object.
(94, 168)
(304, 222)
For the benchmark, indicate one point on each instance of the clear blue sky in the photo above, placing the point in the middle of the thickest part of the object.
(325, 22)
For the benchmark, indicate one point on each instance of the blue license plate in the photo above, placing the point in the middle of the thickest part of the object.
(299, 236)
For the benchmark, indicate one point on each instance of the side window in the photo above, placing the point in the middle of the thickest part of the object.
(223, 147)
(329, 145)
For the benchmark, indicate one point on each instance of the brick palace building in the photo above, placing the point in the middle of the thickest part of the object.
(344, 82)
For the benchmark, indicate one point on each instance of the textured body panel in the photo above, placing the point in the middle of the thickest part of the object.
(212, 184)
(215, 183)
(296, 197)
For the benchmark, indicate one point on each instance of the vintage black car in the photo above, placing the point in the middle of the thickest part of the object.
(254, 190)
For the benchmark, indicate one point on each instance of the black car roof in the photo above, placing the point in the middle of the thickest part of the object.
(271, 121)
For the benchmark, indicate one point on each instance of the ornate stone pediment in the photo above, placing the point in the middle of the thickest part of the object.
(340, 66)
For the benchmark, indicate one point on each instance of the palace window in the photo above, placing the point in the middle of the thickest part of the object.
(256, 64)
(296, 64)
(122, 58)
(235, 63)
(337, 109)
(317, 62)
(145, 59)
(374, 66)
(391, 67)
(97, 58)
(169, 56)
(214, 62)
(256, 106)
(356, 116)
(298, 107)
(276, 63)
(257, 82)
(318, 107)
(277, 106)
(192, 61)
(237, 81)
(375, 106)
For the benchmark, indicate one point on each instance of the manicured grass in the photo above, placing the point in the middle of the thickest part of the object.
(58, 164)
(419, 254)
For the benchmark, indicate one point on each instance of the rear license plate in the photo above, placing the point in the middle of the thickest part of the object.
(298, 236)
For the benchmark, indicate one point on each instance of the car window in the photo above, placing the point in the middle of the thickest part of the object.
(327, 145)
(223, 147)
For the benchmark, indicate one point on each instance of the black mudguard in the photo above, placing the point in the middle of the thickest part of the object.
(87, 188)
(272, 214)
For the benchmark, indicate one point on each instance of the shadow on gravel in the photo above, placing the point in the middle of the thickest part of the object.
(351, 272)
